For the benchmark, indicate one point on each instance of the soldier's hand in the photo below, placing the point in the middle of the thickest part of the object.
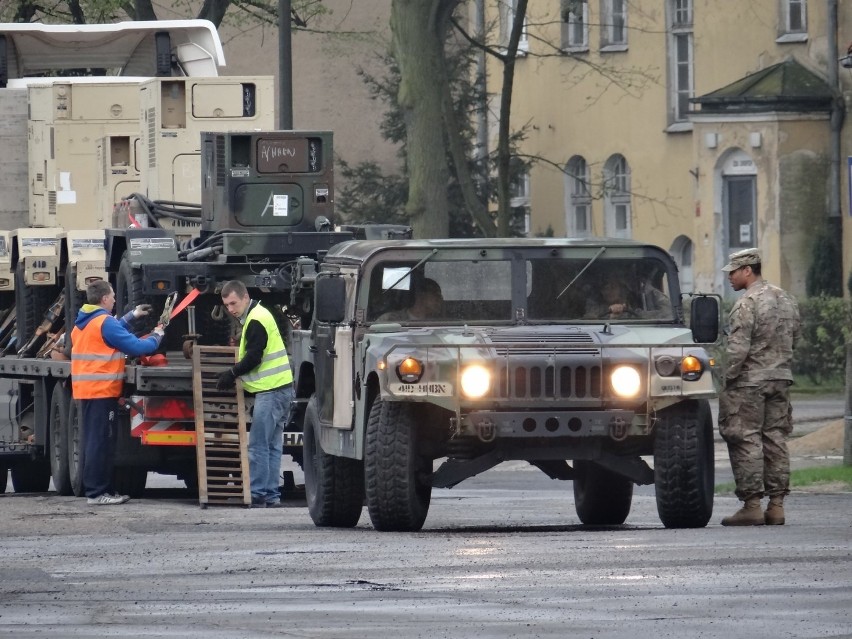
(227, 380)
(159, 330)
(142, 310)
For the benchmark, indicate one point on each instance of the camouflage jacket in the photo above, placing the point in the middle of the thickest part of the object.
(763, 328)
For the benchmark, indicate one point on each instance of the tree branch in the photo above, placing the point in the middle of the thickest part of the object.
(77, 15)
(476, 43)
(144, 10)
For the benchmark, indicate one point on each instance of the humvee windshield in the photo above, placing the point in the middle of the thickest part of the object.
(447, 291)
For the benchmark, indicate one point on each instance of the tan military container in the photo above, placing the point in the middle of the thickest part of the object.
(7, 277)
(174, 113)
(66, 125)
(118, 161)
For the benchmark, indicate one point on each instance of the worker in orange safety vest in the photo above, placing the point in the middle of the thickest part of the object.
(99, 343)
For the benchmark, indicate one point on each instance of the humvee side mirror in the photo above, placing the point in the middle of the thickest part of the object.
(330, 301)
(704, 319)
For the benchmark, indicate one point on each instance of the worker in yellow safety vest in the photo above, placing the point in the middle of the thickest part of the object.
(264, 370)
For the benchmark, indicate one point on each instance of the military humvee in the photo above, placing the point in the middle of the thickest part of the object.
(524, 359)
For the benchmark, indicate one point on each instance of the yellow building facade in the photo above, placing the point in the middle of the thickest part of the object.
(703, 126)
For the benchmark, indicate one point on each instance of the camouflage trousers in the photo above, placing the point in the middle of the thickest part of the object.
(755, 422)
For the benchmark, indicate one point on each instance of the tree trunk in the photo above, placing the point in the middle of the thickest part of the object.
(418, 40)
(504, 211)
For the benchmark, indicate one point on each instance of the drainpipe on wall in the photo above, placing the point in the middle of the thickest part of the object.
(285, 66)
(838, 111)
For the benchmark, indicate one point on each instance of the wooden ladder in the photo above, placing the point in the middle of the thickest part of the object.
(221, 442)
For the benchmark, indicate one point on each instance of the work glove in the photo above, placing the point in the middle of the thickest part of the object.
(142, 310)
(158, 332)
(227, 380)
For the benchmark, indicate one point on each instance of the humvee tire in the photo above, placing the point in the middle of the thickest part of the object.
(398, 479)
(601, 497)
(683, 464)
(334, 486)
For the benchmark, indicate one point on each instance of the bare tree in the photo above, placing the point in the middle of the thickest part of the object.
(97, 11)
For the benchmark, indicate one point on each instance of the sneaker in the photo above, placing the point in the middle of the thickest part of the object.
(274, 504)
(123, 498)
(258, 502)
(107, 500)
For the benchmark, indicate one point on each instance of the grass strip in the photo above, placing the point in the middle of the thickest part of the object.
(808, 477)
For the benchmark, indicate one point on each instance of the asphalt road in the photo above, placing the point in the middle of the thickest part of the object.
(502, 555)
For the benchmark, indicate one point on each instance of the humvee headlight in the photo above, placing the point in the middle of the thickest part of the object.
(691, 368)
(625, 381)
(475, 381)
(666, 365)
(410, 370)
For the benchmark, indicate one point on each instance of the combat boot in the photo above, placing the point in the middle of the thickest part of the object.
(751, 514)
(774, 515)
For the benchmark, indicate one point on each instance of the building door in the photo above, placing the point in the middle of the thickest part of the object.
(740, 204)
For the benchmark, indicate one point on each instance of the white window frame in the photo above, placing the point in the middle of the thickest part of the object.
(610, 39)
(680, 32)
(617, 197)
(789, 32)
(578, 197)
(519, 197)
(507, 15)
(571, 21)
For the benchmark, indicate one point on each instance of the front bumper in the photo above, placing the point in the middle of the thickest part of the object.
(489, 425)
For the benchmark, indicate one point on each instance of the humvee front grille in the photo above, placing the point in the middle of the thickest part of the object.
(547, 365)
(548, 382)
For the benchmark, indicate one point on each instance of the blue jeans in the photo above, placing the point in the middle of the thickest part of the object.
(98, 420)
(266, 442)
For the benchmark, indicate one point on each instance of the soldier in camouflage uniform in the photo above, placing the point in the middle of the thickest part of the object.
(754, 407)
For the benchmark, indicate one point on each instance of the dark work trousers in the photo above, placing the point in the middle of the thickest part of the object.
(98, 444)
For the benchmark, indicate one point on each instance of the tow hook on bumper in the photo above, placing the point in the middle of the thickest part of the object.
(486, 430)
(619, 428)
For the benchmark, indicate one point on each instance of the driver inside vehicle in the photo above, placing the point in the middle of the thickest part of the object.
(616, 302)
(428, 304)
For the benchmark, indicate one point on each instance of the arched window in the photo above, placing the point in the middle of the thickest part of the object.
(617, 214)
(578, 198)
(681, 251)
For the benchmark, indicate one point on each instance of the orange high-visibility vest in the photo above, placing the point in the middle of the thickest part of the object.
(97, 369)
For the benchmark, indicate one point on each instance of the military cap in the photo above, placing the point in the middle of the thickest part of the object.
(746, 257)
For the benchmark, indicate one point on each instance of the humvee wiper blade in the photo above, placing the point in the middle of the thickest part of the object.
(413, 268)
(583, 270)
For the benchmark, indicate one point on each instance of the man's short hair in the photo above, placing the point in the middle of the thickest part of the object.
(428, 286)
(234, 286)
(97, 290)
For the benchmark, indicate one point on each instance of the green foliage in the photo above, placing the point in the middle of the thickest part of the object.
(369, 195)
(826, 329)
(824, 275)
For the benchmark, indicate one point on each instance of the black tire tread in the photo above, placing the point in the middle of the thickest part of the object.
(601, 497)
(395, 499)
(75, 448)
(334, 486)
(683, 465)
(58, 439)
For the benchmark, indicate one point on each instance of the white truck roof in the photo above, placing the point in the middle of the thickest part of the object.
(123, 48)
